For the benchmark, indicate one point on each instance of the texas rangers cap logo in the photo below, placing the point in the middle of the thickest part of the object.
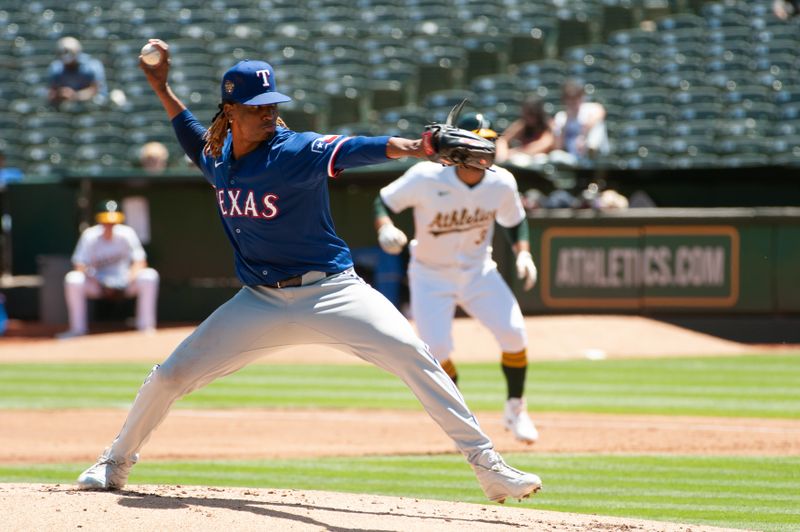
(229, 86)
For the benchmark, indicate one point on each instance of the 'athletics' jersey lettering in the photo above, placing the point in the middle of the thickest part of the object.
(458, 221)
(231, 206)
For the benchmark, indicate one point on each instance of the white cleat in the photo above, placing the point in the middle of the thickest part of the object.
(107, 474)
(500, 481)
(516, 419)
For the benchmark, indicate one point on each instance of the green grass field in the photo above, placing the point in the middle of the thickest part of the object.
(746, 492)
(748, 386)
(740, 492)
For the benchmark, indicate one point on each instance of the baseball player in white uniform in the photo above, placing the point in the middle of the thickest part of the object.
(455, 208)
(109, 261)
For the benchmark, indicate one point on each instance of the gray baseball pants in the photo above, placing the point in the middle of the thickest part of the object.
(340, 311)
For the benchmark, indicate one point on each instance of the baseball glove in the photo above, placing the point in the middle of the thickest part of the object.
(450, 145)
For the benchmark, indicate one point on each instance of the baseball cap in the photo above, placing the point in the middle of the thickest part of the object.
(251, 83)
(108, 213)
(479, 124)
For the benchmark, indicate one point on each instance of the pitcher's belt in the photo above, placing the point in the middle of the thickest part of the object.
(301, 280)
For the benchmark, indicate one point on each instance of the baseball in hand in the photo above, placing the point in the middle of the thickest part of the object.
(151, 55)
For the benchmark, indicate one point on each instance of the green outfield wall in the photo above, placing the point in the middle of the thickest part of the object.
(723, 260)
(703, 261)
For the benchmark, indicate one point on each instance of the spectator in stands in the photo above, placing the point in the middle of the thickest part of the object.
(580, 128)
(529, 136)
(154, 157)
(75, 76)
(8, 174)
(784, 9)
(110, 263)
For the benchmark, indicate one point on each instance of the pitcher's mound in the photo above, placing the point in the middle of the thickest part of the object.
(60, 507)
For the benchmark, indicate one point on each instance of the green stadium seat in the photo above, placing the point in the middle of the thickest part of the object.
(498, 100)
(680, 21)
(647, 96)
(448, 98)
(440, 68)
(783, 144)
(530, 38)
(646, 160)
(695, 95)
(639, 128)
(486, 54)
(411, 113)
(742, 127)
(785, 128)
(617, 15)
(662, 113)
(700, 111)
(573, 29)
(495, 82)
(744, 160)
(757, 111)
(638, 146)
(691, 146)
(357, 129)
(705, 160)
(791, 159)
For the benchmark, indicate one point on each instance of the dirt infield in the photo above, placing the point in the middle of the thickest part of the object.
(188, 508)
(30, 437)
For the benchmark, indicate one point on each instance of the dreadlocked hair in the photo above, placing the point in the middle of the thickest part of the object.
(218, 130)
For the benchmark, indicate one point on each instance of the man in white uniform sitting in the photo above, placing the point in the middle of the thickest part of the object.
(110, 262)
(455, 209)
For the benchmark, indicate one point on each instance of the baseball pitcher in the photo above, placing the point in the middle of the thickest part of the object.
(299, 287)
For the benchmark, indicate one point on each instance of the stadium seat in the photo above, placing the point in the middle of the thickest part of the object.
(356, 129)
(486, 54)
(495, 82)
(700, 111)
(662, 113)
(387, 93)
(616, 15)
(440, 68)
(498, 100)
(746, 127)
(647, 96)
(530, 38)
(640, 128)
(680, 21)
(791, 159)
(758, 111)
(785, 128)
(690, 146)
(782, 145)
(695, 95)
(448, 98)
(705, 160)
(745, 160)
(573, 29)
(741, 145)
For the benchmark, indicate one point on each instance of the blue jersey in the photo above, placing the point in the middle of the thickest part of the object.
(274, 201)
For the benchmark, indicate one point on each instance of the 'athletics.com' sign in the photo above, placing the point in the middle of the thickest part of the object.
(650, 266)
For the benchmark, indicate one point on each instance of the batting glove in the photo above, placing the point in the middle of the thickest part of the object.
(391, 239)
(526, 269)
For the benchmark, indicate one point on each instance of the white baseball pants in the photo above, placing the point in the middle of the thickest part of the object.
(78, 288)
(481, 292)
(341, 311)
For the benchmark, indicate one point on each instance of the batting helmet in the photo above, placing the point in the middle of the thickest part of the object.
(478, 124)
(108, 213)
